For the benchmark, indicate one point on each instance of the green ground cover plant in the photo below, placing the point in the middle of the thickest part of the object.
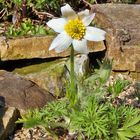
(93, 117)
(94, 120)
(27, 28)
(117, 87)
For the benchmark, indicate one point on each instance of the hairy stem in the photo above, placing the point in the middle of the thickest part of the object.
(72, 78)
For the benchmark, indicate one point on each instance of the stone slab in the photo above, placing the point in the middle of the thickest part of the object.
(122, 23)
(35, 47)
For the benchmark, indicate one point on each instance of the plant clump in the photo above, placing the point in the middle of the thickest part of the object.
(27, 28)
(95, 115)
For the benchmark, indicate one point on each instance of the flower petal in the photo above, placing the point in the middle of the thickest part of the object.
(83, 14)
(94, 34)
(61, 42)
(88, 19)
(80, 46)
(68, 12)
(57, 24)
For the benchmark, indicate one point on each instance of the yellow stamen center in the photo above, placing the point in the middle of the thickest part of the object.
(75, 28)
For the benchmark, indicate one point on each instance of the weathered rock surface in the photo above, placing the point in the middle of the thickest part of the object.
(48, 75)
(16, 96)
(8, 116)
(35, 47)
(20, 93)
(123, 34)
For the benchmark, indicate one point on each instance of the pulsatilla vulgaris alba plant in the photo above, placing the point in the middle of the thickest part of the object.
(74, 29)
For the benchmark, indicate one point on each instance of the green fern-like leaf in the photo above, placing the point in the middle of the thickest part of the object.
(117, 87)
(31, 119)
(45, 116)
(128, 123)
(94, 84)
(102, 74)
(131, 128)
(91, 120)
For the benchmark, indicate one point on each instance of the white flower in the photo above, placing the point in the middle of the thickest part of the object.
(74, 29)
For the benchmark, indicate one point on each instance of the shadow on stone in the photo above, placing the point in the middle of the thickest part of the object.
(93, 57)
(10, 65)
(2, 111)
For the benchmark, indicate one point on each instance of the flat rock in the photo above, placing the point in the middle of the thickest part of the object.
(122, 23)
(20, 93)
(35, 47)
(8, 116)
(48, 75)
